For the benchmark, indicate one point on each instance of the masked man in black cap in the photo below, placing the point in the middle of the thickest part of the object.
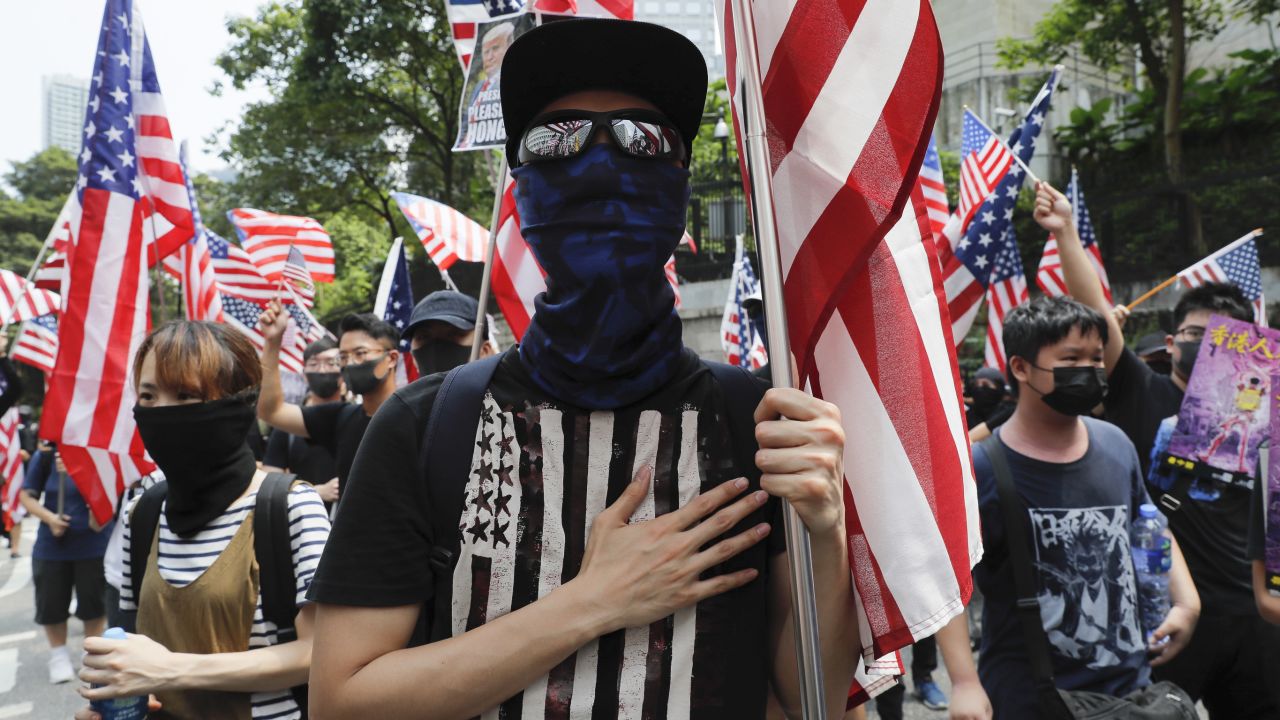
(619, 549)
(441, 330)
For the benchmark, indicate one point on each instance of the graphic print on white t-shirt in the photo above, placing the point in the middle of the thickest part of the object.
(1088, 593)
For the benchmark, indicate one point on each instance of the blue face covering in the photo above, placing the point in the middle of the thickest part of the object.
(602, 225)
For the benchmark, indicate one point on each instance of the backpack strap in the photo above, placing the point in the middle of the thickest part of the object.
(1018, 540)
(743, 392)
(451, 429)
(274, 552)
(143, 523)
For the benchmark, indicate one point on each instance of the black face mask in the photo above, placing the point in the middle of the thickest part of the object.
(323, 384)
(1189, 350)
(362, 378)
(985, 398)
(437, 356)
(203, 452)
(1076, 390)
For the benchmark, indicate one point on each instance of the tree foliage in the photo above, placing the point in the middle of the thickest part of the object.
(41, 184)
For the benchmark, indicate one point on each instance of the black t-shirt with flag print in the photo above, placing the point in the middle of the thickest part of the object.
(541, 471)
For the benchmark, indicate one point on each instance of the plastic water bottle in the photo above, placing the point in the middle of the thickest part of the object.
(125, 708)
(1152, 558)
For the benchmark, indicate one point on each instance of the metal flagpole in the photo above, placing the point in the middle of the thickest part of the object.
(483, 304)
(799, 553)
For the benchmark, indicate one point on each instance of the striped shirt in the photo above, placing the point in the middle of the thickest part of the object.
(182, 560)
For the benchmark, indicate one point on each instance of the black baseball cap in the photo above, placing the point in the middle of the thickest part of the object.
(1151, 343)
(567, 56)
(444, 306)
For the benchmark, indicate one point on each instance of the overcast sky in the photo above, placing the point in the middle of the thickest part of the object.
(49, 37)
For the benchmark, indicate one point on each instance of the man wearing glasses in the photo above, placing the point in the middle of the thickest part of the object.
(618, 554)
(1226, 664)
(366, 358)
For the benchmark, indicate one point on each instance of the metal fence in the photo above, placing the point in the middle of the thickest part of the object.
(717, 215)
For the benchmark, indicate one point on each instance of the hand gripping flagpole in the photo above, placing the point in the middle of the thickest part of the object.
(483, 301)
(799, 553)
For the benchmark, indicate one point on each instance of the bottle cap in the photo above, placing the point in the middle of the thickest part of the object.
(115, 633)
(1148, 511)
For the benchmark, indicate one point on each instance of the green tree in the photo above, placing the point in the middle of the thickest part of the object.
(1106, 32)
(41, 184)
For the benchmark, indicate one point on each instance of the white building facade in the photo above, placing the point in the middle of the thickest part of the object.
(695, 19)
(63, 103)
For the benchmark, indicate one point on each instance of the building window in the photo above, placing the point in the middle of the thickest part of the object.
(694, 8)
(695, 35)
(652, 8)
(673, 8)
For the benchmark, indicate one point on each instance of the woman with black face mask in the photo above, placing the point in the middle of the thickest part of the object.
(203, 648)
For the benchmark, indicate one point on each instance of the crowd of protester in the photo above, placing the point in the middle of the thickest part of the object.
(312, 571)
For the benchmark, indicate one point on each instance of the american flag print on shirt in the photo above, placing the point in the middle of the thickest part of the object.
(1237, 264)
(539, 478)
(1049, 276)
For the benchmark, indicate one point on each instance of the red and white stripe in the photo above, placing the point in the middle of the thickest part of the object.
(1002, 296)
(1049, 275)
(200, 282)
(517, 277)
(851, 89)
(446, 234)
(21, 301)
(36, 346)
(49, 275)
(621, 9)
(298, 278)
(11, 467)
(267, 237)
(934, 190)
(980, 172)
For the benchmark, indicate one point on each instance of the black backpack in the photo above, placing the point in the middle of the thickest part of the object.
(271, 548)
(455, 413)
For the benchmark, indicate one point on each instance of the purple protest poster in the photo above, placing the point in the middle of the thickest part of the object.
(1226, 413)
(1271, 498)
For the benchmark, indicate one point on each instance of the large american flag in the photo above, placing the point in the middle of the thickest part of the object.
(517, 277)
(11, 467)
(37, 343)
(267, 237)
(968, 253)
(933, 186)
(1008, 289)
(130, 195)
(394, 303)
(1237, 264)
(446, 234)
(861, 290)
(200, 297)
(1049, 276)
(742, 343)
(985, 161)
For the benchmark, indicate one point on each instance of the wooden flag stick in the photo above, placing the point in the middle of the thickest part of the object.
(799, 552)
(482, 305)
(1151, 293)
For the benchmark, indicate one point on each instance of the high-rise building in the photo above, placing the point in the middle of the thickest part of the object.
(695, 19)
(64, 101)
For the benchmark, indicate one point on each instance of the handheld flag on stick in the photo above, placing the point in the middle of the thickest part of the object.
(1237, 264)
(37, 343)
(1049, 276)
(394, 303)
(446, 234)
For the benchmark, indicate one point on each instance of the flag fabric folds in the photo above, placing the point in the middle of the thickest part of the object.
(934, 188)
(243, 315)
(1237, 264)
(517, 277)
(49, 275)
(267, 237)
(394, 303)
(125, 202)
(297, 278)
(1007, 290)
(740, 338)
(969, 252)
(1049, 276)
(37, 343)
(11, 467)
(986, 160)
(446, 234)
(200, 298)
(20, 300)
(862, 297)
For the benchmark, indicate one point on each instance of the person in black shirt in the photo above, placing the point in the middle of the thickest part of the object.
(617, 557)
(1223, 664)
(367, 355)
(441, 330)
(1268, 604)
(302, 456)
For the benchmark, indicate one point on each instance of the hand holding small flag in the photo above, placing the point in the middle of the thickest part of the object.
(273, 323)
(1053, 211)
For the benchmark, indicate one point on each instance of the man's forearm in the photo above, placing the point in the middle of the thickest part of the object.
(272, 408)
(1078, 272)
(957, 654)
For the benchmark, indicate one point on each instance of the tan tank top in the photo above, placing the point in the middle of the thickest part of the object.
(214, 614)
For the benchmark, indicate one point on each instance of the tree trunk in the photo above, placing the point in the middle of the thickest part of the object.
(1175, 79)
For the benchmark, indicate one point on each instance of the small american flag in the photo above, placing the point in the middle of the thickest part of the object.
(1237, 264)
(934, 188)
(986, 160)
(1049, 276)
(969, 251)
(298, 278)
(11, 467)
(37, 343)
(129, 197)
(199, 279)
(741, 340)
(267, 238)
(394, 303)
(22, 301)
(446, 234)
(50, 273)
(1008, 289)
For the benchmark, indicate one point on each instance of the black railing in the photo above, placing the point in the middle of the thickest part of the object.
(717, 215)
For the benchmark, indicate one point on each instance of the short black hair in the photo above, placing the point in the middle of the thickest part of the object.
(1218, 298)
(371, 325)
(1045, 321)
(324, 344)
